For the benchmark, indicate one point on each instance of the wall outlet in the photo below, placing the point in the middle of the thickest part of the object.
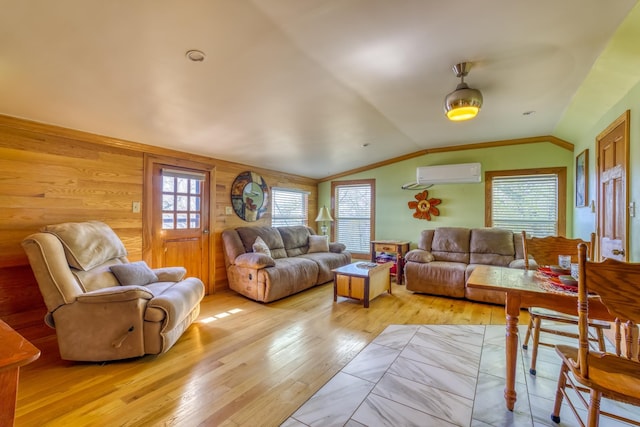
(228, 210)
(135, 207)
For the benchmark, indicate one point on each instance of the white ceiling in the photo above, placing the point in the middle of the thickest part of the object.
(298, 85)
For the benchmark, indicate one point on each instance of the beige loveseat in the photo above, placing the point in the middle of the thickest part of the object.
(103, 307)
(295, 259)
(446, 257)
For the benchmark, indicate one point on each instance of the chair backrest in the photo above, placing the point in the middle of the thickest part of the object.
(616, 284)
(545, 250)
(72, 258)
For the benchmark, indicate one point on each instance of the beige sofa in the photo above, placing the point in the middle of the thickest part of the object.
(446, 257)
(296, 259)
(101, 306)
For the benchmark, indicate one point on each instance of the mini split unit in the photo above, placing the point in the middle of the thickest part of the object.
(449, 174)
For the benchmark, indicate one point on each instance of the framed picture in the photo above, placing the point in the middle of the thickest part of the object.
(582, 177)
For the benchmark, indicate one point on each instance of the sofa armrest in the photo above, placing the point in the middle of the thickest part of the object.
(254, 260)
(519, 263)
(337, 247)
(115, 294)
(170, 274)
(419, 255)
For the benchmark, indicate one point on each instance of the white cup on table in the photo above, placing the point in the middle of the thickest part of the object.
(564, 261)
(574, 270)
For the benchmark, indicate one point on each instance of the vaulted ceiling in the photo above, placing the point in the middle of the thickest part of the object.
(310, 87)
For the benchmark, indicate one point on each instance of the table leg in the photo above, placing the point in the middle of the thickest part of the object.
(512, 309)
(335, 287)
(8, 395)
(400, 269)
(366, 292)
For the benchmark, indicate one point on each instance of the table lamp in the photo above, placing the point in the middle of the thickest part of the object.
(323, 217)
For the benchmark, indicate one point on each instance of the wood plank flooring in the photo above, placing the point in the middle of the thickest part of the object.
(241, 364)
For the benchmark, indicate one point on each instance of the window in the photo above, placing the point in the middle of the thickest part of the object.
(181, 199)
(354, 214)
(289, 207)
(530, 200)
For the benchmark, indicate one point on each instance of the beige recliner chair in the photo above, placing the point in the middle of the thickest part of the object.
(102, 306)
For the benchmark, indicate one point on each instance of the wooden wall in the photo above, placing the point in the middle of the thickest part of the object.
(50, 175)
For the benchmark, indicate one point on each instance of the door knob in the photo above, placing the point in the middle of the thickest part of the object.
(205, 231)
(618, 252)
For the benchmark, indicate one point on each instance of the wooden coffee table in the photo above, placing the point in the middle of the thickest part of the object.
(362, 280)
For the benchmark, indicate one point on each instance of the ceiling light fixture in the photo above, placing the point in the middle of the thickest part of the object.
(464, 102)
(195, 55)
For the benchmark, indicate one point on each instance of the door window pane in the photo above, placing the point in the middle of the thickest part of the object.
(181, 199)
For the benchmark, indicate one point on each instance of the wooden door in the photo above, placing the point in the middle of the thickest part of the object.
(178, 216)
(613, 196)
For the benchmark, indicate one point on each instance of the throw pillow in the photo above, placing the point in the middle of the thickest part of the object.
(134, 273)
(261, 247)
(318, 243)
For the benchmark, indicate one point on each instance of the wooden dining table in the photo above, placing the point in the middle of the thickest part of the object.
(524, 288)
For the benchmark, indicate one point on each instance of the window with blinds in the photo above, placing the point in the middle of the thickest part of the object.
(353, 215)
(289, 207)
(526, 202)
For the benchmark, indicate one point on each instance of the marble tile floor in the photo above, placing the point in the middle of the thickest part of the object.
(441, 375)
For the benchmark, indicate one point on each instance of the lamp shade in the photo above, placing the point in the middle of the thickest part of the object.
(463, 103)
(324, 215)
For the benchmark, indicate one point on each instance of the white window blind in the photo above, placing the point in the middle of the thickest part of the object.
(353, 217)
(527, 203)
(289, 207)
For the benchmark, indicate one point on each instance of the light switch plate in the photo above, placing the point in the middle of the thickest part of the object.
(228, 210)
(135, 207)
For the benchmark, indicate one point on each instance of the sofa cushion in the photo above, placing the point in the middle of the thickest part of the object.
(318, 244)
(87, 244)
(327, 261)
(289, 276)
(426, 237)
(436, 278)
(134, 273)
(451, 244)
(491, 246)
(295, 238)
(259, 246)
(270, 236)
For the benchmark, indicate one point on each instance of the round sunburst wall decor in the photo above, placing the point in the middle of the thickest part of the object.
(424, 206)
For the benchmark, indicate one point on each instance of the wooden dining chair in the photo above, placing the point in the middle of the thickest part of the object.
(613, 376)
(545, 251)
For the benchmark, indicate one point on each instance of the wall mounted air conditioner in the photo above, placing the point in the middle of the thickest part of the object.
(449, 174)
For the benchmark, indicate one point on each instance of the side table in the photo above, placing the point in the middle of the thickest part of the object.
(399, 247)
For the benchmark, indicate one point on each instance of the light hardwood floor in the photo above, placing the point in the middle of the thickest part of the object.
(241, 364)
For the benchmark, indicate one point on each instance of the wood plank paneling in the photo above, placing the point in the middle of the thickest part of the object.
(50, 175)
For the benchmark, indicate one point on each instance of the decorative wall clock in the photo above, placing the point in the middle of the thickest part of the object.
(249, 196)
(424, 206)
